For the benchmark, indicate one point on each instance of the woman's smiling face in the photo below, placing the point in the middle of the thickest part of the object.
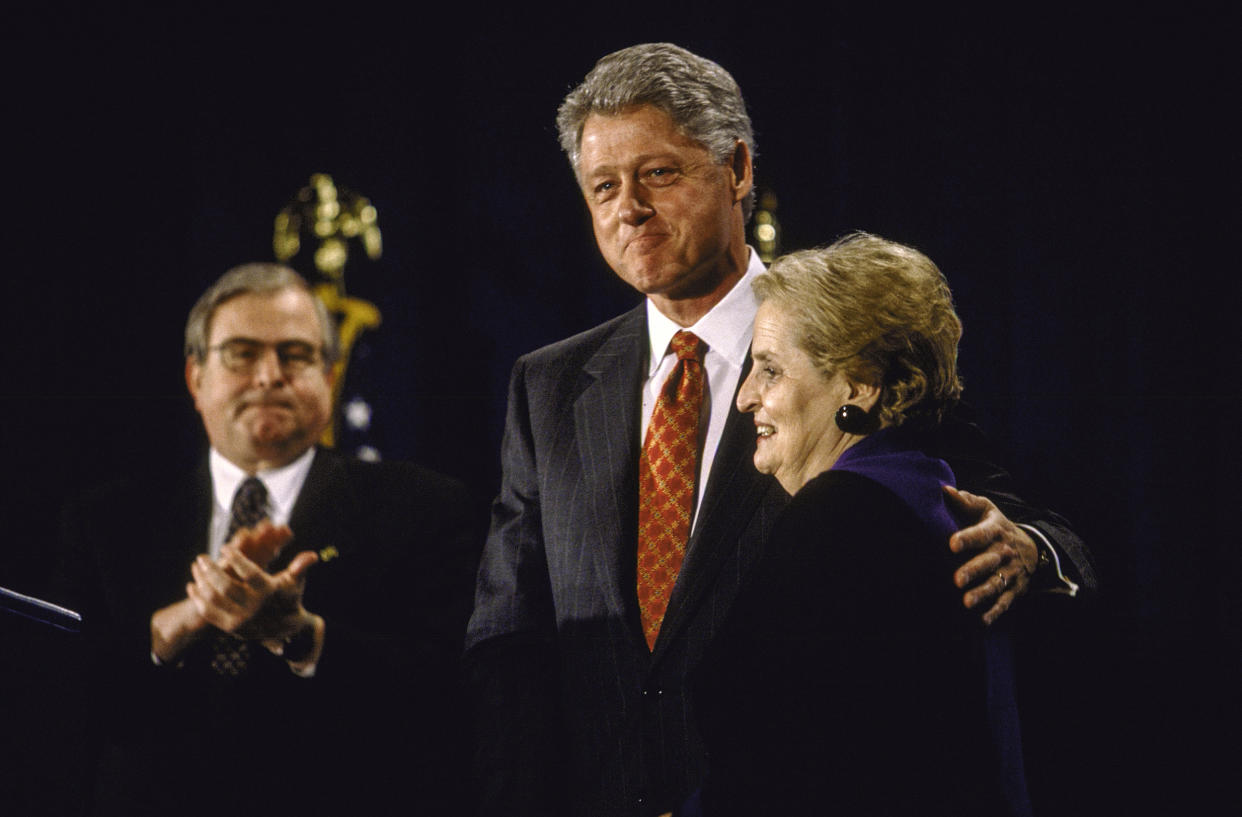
(793, 402)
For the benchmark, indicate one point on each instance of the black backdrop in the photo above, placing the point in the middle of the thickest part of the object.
(1075, 177)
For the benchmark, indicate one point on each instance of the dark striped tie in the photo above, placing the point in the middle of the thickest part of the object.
(231, 654)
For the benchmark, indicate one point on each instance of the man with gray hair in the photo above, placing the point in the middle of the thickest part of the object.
(629, 510)
(266, 626)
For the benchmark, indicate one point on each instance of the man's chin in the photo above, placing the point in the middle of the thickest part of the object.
(653, 279)
(277, 452)
(276, 437)
(675, 282)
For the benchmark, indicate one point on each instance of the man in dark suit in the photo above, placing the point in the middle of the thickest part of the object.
(579, 679)
(278, 630)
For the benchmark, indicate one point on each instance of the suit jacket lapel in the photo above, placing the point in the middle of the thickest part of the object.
(606, 414)
(320, 512)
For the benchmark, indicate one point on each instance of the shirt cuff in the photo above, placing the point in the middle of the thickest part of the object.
(303, 650)
(178, 664)
(1061, 584)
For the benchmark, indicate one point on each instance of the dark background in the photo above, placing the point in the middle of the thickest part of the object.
(1075, 177)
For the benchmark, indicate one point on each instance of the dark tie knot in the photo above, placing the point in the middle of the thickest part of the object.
(687, 346)
(251, 492)
(249, 504)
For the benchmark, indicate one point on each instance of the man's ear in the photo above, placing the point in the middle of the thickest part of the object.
(743, 171)
(193, 377)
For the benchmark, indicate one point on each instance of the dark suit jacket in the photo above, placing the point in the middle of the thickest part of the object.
(574, 714)
(556, 625)
(820, 697)
(380, 716)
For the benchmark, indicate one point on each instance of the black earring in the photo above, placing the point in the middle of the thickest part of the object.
(854, 419)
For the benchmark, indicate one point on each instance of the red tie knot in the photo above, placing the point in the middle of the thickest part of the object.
(687, 346)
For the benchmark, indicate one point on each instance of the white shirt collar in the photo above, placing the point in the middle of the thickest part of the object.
(726, 328)
(283, 484)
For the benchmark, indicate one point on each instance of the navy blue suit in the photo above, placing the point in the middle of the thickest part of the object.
(380, 718)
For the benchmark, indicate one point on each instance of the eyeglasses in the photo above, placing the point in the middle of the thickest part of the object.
(242, 356)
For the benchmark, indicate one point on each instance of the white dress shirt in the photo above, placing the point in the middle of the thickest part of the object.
(283, 486)
(727, 330)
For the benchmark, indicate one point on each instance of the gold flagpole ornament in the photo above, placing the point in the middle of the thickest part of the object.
(327, 220)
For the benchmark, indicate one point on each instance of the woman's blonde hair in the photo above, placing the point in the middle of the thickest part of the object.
(877, 311)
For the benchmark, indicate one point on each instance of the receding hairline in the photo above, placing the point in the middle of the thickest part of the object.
(256, 278)
(635, 108)
(273, 293)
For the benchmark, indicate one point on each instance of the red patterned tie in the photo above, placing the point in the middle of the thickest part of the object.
(666, 482)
